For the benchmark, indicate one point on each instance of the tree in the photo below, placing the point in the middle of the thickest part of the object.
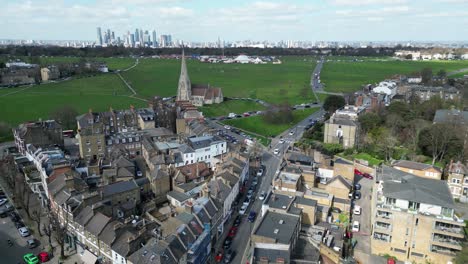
(369, 120)
(59, 232)
(436, 140)
(47, 230)
(2, 65)
(36, 217)
(66, 116)
(462, 256)
(333, 103)
(426, 75)
(5, 132)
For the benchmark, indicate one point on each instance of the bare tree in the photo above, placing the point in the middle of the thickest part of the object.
(36, 217)
(59, 232)
(437, 138)
(47, 230)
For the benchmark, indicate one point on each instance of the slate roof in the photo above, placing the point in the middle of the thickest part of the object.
(414, 165)
(299, 157)
(279, 201)
(84, 216)
(181, 197)
(119, 187)
(271, 222)
(97, 223)
(305, 201)
(457, 167)
(108, 233)
(451, 116)
(405, 186)
(202, 142)
(342, 161)
(154, 252)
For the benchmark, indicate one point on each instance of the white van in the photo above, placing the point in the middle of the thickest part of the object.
(355, 226)
(357, 210)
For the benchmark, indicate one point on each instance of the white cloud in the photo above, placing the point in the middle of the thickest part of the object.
(384, 11)
(366, 2)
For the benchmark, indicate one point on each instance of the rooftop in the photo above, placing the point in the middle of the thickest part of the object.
(119, 187)
(278, 226)
(414, 165)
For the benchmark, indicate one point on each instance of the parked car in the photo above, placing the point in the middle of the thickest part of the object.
(31, 243)
(357, 172)
(357, 210)
(227, 127)
(232, 231)
(357, 186)
(237, 221)
(19, 224)
(281, 141)
(368, 176)
(44, 257)
(227, 243)
(243, 209)
(355, 227)
(30, 258)
(260, 172)
(9, 207)
(229, 256)
(3, 201)
(262, 196)
(252, 216)
(24, 231)
(14, 217)
(357, 195)
(291, 133)
(219, 257)
(276, 151)
(246, 201)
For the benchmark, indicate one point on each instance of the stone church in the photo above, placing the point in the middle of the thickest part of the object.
(198, 95)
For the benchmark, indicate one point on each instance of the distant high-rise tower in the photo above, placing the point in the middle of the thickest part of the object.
(132, 40)
(155, 43)
(184, 90)
(141, 36)
(137, 35)
(99, 36)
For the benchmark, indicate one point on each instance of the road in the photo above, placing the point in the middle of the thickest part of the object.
(315, 77)
(362, 249)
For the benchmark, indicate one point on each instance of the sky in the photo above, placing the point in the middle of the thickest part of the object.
(206, 20)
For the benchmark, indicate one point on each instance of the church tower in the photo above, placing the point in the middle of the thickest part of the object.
(184, 90)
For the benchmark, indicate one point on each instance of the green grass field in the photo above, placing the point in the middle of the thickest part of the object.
(257, 125)
(98, 93)
(231, 106)
(160, 77)
(350, 76)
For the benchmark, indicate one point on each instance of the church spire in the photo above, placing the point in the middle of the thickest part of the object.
(184, 90)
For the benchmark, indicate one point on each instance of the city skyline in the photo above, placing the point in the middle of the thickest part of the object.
(329, 20)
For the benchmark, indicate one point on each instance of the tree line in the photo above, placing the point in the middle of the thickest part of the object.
(120, 51)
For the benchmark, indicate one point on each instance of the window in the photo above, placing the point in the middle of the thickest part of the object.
(89, 150)
(466, 180)
(391, 201)
(417, 221)
(407, 231)
(455, 180)
(406, 243)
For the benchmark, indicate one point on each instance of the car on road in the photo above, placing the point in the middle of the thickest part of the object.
(356, 226)
(3, 201)
(14, 217)
(24, 231)
(229, 256)
(357, 186)
(262, 196)
(43, 256)
(19, 224)
(250, 194)
(357, 210)
(276, 151)
(219, 257)
(30, 258)
(227, 243)
(252, 216)
(260, 172)
(246, 201)
(281, 141)
(357, 195)
(254, 182)
(291, 133)
(9, 207)
(227, 127)
(367, 175)
(232, 231)
(243, 209)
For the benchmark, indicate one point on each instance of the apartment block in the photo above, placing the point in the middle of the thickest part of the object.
(414, 219)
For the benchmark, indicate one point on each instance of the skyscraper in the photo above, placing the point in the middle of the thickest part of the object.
(154, 39)
(141, 36)
(99, 36)
(137, 35)
(132, 40)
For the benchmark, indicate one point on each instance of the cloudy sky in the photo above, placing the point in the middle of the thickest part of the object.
(205, 20)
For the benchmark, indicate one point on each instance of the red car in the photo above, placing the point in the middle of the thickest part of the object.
(367, 175)
(219, 257)
(43, 257)
(357, 172)
(232, 231)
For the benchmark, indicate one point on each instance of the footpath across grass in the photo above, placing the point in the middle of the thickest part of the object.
(231, 106)
(258, 125)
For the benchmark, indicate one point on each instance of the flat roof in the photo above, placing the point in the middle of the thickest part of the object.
(278, 226)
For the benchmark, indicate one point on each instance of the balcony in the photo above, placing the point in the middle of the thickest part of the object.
(383, 227)
(382, 237)
(449, 229)
(384, 216)
(443, 250)
(446, 241)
